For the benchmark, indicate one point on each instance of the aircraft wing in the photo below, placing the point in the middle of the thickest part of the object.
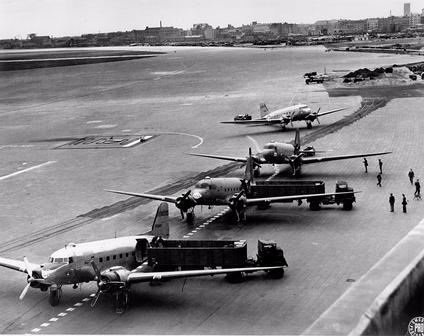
(254, 121)
(254, 201)
(16, 265)
(221, 157)
(151, 196)
(149, 276)
(329, 112)
(306, 160)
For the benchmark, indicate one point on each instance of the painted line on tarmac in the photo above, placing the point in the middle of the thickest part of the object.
(204, 224)
(26, 170)
(63, 314)
(186, 134)
(276, 172)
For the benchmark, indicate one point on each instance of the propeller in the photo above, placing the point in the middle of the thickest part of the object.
(316, 115)
(99, 283)
(185, 202)
(28, 270)
(255, 144)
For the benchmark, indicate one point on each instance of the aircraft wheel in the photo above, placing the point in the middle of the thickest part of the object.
(190, 218)
(309, 125)
(314, 206)
(55, 295)
(347, 205)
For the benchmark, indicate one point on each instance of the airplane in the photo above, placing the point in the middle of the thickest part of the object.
(111, 263)
(284, 116)
(221, 191)
(285, 153)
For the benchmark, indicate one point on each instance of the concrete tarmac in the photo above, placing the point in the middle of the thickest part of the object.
(189, 92)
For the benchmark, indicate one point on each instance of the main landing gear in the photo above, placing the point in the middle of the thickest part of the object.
(308, 124)
(55, 295)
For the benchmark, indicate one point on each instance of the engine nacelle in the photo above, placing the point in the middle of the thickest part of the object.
(116, 274)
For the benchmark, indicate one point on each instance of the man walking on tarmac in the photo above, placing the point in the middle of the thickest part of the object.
(411, 176)
(417, 193)
(379, 180)
(366, 165)
(380, 165)
(392, 203)
(404, 203)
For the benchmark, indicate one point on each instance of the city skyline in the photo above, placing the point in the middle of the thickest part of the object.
(73, 18)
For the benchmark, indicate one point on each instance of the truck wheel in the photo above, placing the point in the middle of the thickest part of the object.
(347, 205)
(277, 273)
(314, 206)
(234, 277)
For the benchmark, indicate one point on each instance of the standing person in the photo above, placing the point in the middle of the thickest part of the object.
(392, 203)
(411, 176)
(417, 193)
(380, 165)
(404, 203)
(379, 180)
(366, 165)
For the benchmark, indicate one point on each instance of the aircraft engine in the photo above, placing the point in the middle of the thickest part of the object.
(185, 202)
(115, 276)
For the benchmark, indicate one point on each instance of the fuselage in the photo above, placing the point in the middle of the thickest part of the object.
(72, 264)
(293, 113)
(216, 191)
(277, 152)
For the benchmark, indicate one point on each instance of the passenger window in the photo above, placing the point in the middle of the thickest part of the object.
(114, 256)
(120, 256)
(107, 258)
(100, 259)
(126, 254)
(133, 254)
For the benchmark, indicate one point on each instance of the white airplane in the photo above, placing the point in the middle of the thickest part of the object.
(285, 116)
(111, 263)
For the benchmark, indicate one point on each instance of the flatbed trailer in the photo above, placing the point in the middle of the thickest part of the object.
(199, 254)
(273, 188)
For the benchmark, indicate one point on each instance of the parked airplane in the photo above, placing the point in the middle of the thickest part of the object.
(285, 116)
(228, 191)
(286, 153)
(110, 262)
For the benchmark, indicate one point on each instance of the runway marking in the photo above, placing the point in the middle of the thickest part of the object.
(94, 121)
(53, 319)
(106, 126)
(276, 172)
(78, 304)
(86, 299)
(190, 233)
(187, 134)
(26, 170)
(70, 309)
(186, 236)
(93, 295)
(35, 330)
(203, 225)
(44, 325)
(64, 314)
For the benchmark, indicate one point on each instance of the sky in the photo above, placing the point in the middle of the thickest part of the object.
(18, 18)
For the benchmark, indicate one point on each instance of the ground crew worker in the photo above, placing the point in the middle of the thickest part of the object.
(417, 193)
(392, 203)
(366, 165)
(404, 203)
(379, 180)
(411, 176)
(380, 165)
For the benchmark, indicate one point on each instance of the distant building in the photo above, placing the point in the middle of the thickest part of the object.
(326, 27)
(372, 25)
(407, 9)
(414, 20)
(351, 27)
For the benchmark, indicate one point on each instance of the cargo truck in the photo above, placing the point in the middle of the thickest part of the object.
(170, 255)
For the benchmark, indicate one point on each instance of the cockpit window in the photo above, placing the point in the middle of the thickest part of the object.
(269, 146)
(59, 260)
(202, 185)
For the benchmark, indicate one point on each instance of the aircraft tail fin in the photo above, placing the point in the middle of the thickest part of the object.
(248, 173)
(160, 227)
(297, 142)
(263, 110)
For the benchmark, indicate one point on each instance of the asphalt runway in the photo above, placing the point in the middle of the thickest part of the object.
(180, 97)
